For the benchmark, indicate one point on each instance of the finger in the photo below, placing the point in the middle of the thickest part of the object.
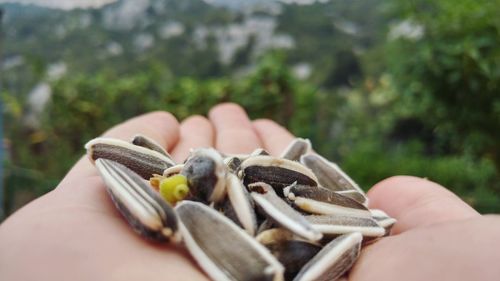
(417, 202)
(274, 137)
(160, 126)
(233, 129)
(196, 131)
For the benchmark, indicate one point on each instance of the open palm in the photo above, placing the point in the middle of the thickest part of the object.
(74, 232)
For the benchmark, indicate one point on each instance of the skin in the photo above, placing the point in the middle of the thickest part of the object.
(74, 232)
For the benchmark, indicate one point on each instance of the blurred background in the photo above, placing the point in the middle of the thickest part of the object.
(383, 87)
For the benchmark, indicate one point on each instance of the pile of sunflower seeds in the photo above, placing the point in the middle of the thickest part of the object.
(243, 217)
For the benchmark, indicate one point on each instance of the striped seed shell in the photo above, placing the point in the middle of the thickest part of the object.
(174, 170)
(355, 195)
(146, 142)
(279, 211)
(340, 224)
(319, 200)
(329, 174)
(142, 207)
(277, 233)
(222, 249)
(206, 174)
(292, 254)
(274, 235)
(333, 260)
(141, 160)
(383, 219)
(266, 224)
(296, 148)
(233, 163)
(276, 172)
(241, 204)
(259, 151)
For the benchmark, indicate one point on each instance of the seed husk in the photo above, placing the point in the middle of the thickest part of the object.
(142, 207)
(340, 224)
(377, 213)
(143, 161)
(355, 195)
(206, 174)
(383, 219)
(333, 260)
(276, 172)
(278, 210)
(174, 170)
(292, 254)
(222, 249)
(274, 235)
(284, 191)
(266, 224)
(296, 148)
(241, 203)
(233, 163)
(329, 174)
(146, 142)
(259, 151)
(227, 210)
(319, 200)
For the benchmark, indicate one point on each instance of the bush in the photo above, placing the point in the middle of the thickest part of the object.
(475, 181)
(349, 126)
(452, 73)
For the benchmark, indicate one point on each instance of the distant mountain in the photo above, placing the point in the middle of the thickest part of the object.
(73, 4)
(197, 38)
(65, 5)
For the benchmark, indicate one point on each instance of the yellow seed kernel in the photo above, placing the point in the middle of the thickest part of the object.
(174, 188)
(181, 191)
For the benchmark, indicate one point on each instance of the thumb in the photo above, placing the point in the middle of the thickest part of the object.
(417, 202)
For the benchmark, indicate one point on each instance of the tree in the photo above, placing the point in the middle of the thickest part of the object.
(452, 73)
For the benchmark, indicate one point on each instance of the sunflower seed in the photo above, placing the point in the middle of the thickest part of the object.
(279, 211)
(222, 249)
(283, 194)
(276, 172)
(383, 220)
(259, 152)
(174, 170)
(241, 203)
(206, 174)
(274, 234)
(292, 254)
(142, 207)
(266, 224)
(333, 260)
(233, 163)
(355, 195)
(146, 142)
(319, 200)
(296, 148)
(143, 161)
(339, 224)
(329, 174)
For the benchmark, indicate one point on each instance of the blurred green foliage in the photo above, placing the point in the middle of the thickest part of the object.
(425, 106)
(452, 73)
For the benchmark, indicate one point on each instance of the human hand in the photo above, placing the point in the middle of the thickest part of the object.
(75, 232)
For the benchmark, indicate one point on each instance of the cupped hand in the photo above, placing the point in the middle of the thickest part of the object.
(74, 232)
